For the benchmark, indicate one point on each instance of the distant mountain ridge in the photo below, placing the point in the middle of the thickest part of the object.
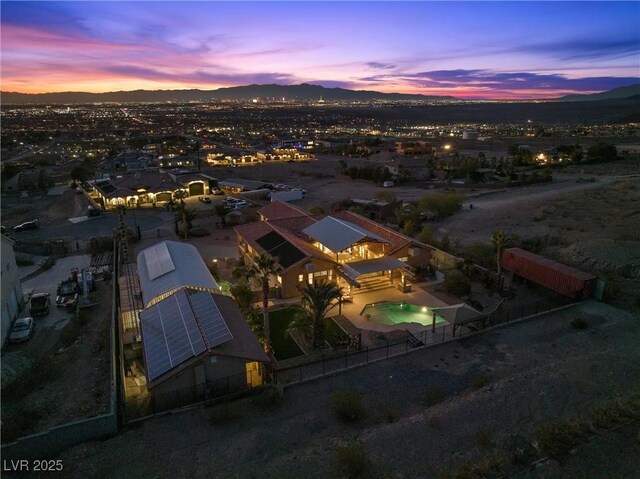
(622, 92)
(303, 92)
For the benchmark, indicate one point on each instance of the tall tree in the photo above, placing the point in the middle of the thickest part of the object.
(265, 266)
(500, 240)
(221, 210)
(317, 301)
(185, 216)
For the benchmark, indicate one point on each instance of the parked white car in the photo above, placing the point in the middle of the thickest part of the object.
(241, 204)
(22, 330)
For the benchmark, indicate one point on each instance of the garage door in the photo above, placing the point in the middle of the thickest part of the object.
(163, 197)
(196, 189)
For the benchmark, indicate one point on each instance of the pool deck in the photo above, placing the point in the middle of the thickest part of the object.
(418, 296)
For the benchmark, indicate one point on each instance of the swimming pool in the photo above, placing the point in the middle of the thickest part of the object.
(391, 313)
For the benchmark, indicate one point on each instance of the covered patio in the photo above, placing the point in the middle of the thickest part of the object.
(374, 273)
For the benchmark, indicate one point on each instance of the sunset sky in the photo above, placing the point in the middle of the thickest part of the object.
(493, 50)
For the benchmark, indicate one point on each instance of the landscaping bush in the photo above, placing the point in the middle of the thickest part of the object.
(560, 437)
(352, 461)
(225, 413)
(48, 263)
(347, 405)
(432, 396)
(457, 284)
(579, 323)
(199, 232)
(441, 204)
(611, 414)
(24, 260)
(270, 397)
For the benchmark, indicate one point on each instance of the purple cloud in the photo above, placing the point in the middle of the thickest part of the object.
(380, 66)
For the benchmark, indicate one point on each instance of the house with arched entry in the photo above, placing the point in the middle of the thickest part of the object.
(148, 187)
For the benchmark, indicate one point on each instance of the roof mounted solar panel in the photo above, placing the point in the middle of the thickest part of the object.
(170, 334)
(207, 313)
(158, 260)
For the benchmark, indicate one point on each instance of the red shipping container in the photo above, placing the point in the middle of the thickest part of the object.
(556, 276)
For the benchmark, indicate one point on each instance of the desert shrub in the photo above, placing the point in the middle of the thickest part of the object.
(390, 413)
(481, 254)
(480, 380)
(579, 323)
(270, 397)
(608, 415)
(441, 204)
(347, 406)
(199, 232)
(457, 284)
(559, 437)
(432, 396)
(352, 461)
(225, 413)
(426, 235)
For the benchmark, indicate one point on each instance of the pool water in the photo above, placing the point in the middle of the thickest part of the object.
(395, 313)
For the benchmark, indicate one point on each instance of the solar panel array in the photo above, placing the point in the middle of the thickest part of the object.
(170, 334)
(208, 314)
(278, 247)
(158, 260)
(179, 328)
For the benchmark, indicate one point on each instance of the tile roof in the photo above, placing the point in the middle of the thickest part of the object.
(277, 210)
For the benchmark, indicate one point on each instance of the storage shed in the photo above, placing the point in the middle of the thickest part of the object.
(556, 276)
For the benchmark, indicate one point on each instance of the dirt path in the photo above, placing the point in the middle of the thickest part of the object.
(538, 370)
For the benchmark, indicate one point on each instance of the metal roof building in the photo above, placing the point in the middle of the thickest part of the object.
(169, 266)
(338, 235)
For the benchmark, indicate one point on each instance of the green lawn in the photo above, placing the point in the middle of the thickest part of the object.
(284, 347)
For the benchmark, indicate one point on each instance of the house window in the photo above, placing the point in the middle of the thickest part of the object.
(404, 259)
(279, 278)
(300, 278)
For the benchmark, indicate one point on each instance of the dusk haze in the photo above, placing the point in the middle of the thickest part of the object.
(469, 50)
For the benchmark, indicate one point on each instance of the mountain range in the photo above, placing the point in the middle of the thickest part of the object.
(303, 92)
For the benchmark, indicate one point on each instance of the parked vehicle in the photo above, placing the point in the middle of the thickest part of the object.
(241, 204)
(217, 191)
(204, 199)
(22, 330)
(29, 225)
(68, 291)
(93, 212)
(231, 201)
(39, 304)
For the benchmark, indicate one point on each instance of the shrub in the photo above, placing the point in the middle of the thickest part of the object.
(390, 413)
(24, 260)
(560, 437)
(199, 232)
(433, 396)
(352, 461)
(213, 269)
(608, 415)
(347, 405)
(270, 397)
(48, 263)
(426, 235)
(457, 284)
(579, 323)
(480, 380)
(224, 413)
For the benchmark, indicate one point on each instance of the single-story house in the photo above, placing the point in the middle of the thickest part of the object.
(195, 342)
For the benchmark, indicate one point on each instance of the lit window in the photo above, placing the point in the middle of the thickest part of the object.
(300, 278)
(279, 278)
(405, 259)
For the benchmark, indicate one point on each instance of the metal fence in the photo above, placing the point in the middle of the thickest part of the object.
(155, 402)
(504, 314)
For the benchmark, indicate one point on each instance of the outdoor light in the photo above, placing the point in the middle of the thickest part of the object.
(424, 309)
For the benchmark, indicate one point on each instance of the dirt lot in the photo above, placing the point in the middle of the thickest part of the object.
(62, 373)
(536, 371)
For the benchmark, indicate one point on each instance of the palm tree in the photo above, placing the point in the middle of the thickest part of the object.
(264, 267)
(499, 240)
(317, 302)
(221, 210)
(301, 323)
(186, 217)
